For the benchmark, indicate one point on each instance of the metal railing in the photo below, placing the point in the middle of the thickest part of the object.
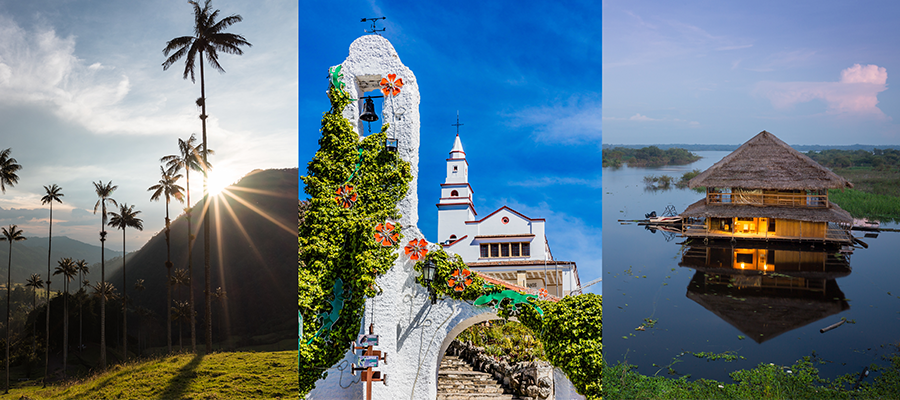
(764, 199)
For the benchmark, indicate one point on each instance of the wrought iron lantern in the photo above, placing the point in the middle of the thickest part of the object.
(428, 270)
(391, 144)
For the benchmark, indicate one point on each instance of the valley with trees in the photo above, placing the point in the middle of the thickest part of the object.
(72, 328)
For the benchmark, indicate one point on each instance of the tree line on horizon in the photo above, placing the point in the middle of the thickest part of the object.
(650, 156)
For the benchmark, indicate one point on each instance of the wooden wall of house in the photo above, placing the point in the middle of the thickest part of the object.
(794, 228)
(786, 260)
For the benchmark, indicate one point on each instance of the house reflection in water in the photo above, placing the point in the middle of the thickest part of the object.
(766, 290)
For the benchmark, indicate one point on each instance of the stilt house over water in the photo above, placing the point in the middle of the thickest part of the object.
(766, 190)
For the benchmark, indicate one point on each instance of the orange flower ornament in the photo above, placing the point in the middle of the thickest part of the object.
(391, 85)
(543, 294)
(346, 196)
(417, 249)
(385, 235)
(459, 279)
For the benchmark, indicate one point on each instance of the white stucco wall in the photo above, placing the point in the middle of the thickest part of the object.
(411, 329)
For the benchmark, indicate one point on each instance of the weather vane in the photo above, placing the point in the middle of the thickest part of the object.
(374, 28)
(457, 124)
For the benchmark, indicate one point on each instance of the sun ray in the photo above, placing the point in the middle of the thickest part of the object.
(261, 212)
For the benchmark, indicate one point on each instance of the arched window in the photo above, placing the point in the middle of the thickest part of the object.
(454, 168)
(454, 193)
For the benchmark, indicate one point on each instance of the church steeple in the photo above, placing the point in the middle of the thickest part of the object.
(457, 151)
(455, 205)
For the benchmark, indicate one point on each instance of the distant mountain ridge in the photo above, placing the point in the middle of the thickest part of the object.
(30, 255)
(732, 147)
(253, 257)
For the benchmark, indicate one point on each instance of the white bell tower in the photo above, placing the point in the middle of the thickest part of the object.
(455, 206)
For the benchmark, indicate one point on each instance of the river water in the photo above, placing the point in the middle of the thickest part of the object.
(695, 299)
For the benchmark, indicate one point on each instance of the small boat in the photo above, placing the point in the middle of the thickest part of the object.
(670, 216)
(865, 225)
(665, 220)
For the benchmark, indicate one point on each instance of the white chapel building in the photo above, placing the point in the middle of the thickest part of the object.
(505, 244)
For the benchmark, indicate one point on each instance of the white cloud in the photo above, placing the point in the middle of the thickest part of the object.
(574, 122)
(855, 94)
(41, 69)
(557, 180)
(639, 117)
(643, 118)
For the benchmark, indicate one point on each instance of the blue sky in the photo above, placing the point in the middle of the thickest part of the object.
(811, 72)
(525, 78)
(84, 98)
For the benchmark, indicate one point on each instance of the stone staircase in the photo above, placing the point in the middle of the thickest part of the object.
(458, 381)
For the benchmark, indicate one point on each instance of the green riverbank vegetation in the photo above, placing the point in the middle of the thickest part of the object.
(765, 381)
(651, 156)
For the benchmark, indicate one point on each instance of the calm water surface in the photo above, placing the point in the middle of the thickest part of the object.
(696, 310)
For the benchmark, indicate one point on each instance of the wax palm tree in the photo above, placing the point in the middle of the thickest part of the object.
(13, 234)
(127, 217)
(68, 270)
(139, 286)
(191, 157)
(208, 38)
(83, 269)
(8, 168)
(179, 279)
(181, 311)
(168, 187)
(105, 287)
(53, 194)
(103, 192)
(35, 282)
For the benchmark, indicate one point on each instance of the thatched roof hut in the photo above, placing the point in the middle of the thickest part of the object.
(765, 162)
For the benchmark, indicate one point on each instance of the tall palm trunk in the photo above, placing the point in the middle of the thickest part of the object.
(124, 303)
(190, 262)
(65, 324)
(80, 313)
(206, 213)
(47, 343)
(34, 326)
(103, 291)
(168, 282)
(8, 284)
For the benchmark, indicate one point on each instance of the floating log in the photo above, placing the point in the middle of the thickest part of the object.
(832, 326)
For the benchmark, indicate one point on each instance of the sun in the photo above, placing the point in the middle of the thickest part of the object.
(218, 181)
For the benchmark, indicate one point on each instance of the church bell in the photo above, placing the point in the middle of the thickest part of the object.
(368, 113)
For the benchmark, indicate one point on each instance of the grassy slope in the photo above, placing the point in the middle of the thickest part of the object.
(240, 375)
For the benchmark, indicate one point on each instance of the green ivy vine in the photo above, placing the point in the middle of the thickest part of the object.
(337, 242)
(571, 331)
(445, 264)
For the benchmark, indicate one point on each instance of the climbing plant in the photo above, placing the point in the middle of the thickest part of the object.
(445, 265)
(571, 332)
(337, 240)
